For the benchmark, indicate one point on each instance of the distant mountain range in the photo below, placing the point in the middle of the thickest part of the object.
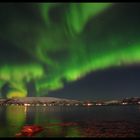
(35, 100)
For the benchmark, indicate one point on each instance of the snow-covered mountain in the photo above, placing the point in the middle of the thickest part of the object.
(38, 100)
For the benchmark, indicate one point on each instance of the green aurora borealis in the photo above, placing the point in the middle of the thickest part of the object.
(52, 42)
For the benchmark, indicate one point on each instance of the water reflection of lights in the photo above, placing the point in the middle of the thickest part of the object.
(25, 109)
(15, 115)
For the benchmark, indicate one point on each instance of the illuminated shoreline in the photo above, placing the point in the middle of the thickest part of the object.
(48, 102)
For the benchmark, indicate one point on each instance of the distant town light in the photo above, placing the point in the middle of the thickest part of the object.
(84, 104)
(89, 104)
(25, 104)
(98, 104)
(139, 102)
(124, 103)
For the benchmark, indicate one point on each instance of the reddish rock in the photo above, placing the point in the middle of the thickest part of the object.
(30, 130)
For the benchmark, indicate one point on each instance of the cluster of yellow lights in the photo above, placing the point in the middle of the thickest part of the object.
(124, 103)
(26, 104)
(98, 104)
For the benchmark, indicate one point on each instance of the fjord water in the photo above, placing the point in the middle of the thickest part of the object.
(96, 121)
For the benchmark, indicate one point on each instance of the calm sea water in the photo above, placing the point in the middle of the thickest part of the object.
(96, 121)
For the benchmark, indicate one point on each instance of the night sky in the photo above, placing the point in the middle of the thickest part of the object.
(70, 50)
(114, 83)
